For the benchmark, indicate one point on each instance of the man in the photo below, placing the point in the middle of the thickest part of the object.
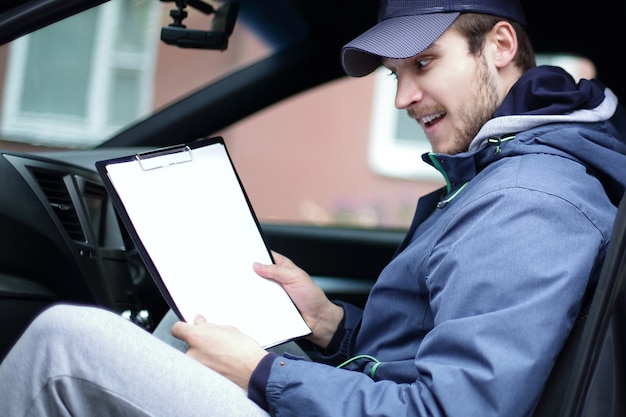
(468, 317)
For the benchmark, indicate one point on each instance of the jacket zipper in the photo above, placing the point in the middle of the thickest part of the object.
(494, 141)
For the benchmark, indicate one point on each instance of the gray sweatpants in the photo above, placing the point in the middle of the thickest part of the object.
(83, 361)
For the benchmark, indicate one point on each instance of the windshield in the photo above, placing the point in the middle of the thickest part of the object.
(74, 84)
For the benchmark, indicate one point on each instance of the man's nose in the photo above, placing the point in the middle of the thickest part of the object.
(408, 93)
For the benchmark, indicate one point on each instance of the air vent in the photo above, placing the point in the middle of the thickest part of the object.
(53, 186)
(93, 190)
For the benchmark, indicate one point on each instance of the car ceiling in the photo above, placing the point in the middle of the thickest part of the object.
(18, 18)
(314, 35)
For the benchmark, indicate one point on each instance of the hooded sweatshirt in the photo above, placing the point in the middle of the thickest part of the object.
(469, 316)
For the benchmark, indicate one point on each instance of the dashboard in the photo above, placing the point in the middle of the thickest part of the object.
(61, 240)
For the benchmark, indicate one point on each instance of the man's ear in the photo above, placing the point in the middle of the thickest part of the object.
(504, 41)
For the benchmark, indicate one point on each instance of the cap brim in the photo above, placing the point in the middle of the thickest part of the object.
(396, 37)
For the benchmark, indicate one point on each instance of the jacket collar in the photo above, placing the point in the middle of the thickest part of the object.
(543, 96)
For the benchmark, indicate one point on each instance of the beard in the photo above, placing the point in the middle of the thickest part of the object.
(475, 110)
(479, 109)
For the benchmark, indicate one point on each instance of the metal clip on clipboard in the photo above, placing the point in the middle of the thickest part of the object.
(164, 157)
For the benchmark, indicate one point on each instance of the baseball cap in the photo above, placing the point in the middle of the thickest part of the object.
(407, 27)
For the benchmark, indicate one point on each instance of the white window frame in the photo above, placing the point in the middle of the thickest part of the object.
(67, 131)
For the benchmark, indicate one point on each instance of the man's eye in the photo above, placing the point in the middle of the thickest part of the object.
(422, 63)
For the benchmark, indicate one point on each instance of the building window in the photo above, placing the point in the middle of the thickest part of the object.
(396, 142)
(82, 78)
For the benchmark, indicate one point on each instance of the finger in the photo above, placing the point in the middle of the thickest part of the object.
(280, 273)
(266, 270)
(180, 330)
(199, 319)
(279, 258)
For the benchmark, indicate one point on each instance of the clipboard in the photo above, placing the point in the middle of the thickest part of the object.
(190, 218)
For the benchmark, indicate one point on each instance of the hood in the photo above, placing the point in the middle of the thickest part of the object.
(547, 112)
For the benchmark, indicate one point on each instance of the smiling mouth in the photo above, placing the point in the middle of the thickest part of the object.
(431, 119)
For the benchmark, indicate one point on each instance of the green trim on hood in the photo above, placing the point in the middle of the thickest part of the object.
(433, 158)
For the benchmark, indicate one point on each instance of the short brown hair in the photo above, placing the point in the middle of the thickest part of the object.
(474, 26)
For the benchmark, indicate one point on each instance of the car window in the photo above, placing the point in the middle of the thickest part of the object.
(77, 82)
(307, 160)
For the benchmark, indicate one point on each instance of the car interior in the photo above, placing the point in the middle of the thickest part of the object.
(588, 377)
(61, 239)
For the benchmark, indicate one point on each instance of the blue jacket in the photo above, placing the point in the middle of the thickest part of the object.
(469, 316)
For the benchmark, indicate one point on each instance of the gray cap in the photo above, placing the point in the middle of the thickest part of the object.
(407, 27)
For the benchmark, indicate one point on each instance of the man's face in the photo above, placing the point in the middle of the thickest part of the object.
(448, 91)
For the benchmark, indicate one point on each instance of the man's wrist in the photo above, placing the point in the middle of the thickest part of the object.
(327, 326)
(249, 368)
